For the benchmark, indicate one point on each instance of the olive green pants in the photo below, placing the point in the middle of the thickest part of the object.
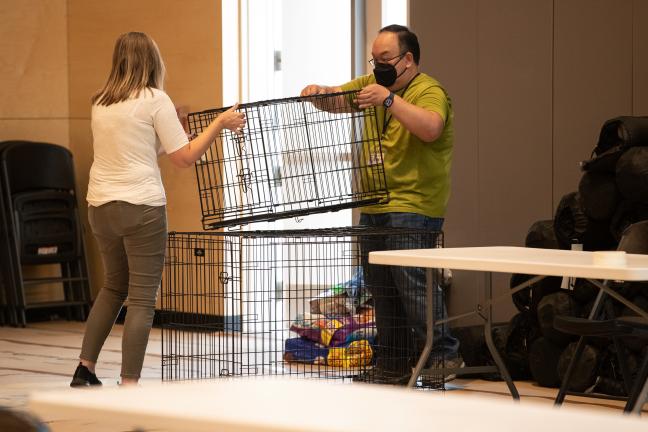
(132, 240)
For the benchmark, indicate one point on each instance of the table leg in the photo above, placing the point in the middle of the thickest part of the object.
(641, 399)
(609, 291)
(430, 280)
(488, 336)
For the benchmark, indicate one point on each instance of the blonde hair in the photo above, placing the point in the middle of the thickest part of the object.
(136, 65)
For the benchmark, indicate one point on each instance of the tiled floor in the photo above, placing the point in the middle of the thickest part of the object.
(42, 356)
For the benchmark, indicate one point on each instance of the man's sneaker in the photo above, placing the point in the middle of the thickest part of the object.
(378, 375)
(453, 363)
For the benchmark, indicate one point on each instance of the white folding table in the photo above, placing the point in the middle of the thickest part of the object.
(273, 405)
(509, 259)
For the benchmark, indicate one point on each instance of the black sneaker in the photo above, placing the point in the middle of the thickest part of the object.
(84, 378)
(453, 363)
(378, 375)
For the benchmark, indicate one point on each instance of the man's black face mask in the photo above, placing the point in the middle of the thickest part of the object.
(385, 73)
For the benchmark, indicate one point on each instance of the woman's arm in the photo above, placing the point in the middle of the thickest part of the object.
(190, 153)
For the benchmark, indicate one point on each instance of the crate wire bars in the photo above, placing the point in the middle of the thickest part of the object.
(301, 302)
(291, 159)
(243, 303)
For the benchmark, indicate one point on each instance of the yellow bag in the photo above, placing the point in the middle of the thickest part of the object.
(358, 353)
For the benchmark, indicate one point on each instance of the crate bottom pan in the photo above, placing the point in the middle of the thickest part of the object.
(209, 224)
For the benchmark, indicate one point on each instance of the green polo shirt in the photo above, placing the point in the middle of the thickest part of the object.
(417, 172)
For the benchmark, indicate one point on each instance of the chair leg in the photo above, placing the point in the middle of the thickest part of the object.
(564, 385)
(622, 356)
(580, 346)
(637, 396)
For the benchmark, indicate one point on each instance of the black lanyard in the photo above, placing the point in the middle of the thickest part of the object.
(386, 119)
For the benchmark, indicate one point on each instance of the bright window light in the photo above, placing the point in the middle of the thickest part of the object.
(230, 50)
(394, 12)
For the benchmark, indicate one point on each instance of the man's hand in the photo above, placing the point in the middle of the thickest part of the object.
(314, 89)
(333, 104)
(372, 95)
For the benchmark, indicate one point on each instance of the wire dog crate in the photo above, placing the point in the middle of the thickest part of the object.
(240, 303)
(296, 156)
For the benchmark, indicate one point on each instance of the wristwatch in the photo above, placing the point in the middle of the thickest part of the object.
(389, 100)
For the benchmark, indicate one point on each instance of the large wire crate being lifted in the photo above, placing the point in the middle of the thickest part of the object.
(295, 156)
(240, 303)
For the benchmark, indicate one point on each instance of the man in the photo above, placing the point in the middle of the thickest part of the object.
(415, 120)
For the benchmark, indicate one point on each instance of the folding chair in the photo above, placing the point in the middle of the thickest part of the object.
(634, 240)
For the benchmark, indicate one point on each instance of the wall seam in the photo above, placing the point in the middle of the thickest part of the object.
(67, 75)
(632, 58)
(479, 191)
(553, 106)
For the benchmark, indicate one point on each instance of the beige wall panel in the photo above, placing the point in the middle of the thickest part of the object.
(55, 131)
(514, 112)
(183, 205)
(639, 58)
(531, 83)
(81, 147)
(187, 32)
(33, 59)
(189, 36)
(34, 91)
(592, 79)
(449, 53)
(514, 118)
(373, 23)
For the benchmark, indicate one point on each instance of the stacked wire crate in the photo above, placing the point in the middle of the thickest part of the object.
(294, 302)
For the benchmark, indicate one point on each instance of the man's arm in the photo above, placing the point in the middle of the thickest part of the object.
(338, 104)
(426, 125)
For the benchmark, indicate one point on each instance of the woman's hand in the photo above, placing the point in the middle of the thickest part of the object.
(187, 155)
(182, 113)
(232, 120)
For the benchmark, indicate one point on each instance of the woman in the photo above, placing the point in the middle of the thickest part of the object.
(133, 121)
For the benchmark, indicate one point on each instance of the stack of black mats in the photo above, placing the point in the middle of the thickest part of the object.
(613, 191)
(612, 194)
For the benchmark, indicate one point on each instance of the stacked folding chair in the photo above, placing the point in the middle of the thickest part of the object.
(40, 226)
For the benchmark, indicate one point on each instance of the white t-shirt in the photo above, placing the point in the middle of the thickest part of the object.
(128, 136)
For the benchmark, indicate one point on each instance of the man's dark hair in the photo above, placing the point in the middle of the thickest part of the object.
(407, 41)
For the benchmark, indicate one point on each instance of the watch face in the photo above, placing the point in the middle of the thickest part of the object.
(389, 100)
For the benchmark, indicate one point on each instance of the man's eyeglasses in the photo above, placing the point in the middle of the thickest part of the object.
(373, 62)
